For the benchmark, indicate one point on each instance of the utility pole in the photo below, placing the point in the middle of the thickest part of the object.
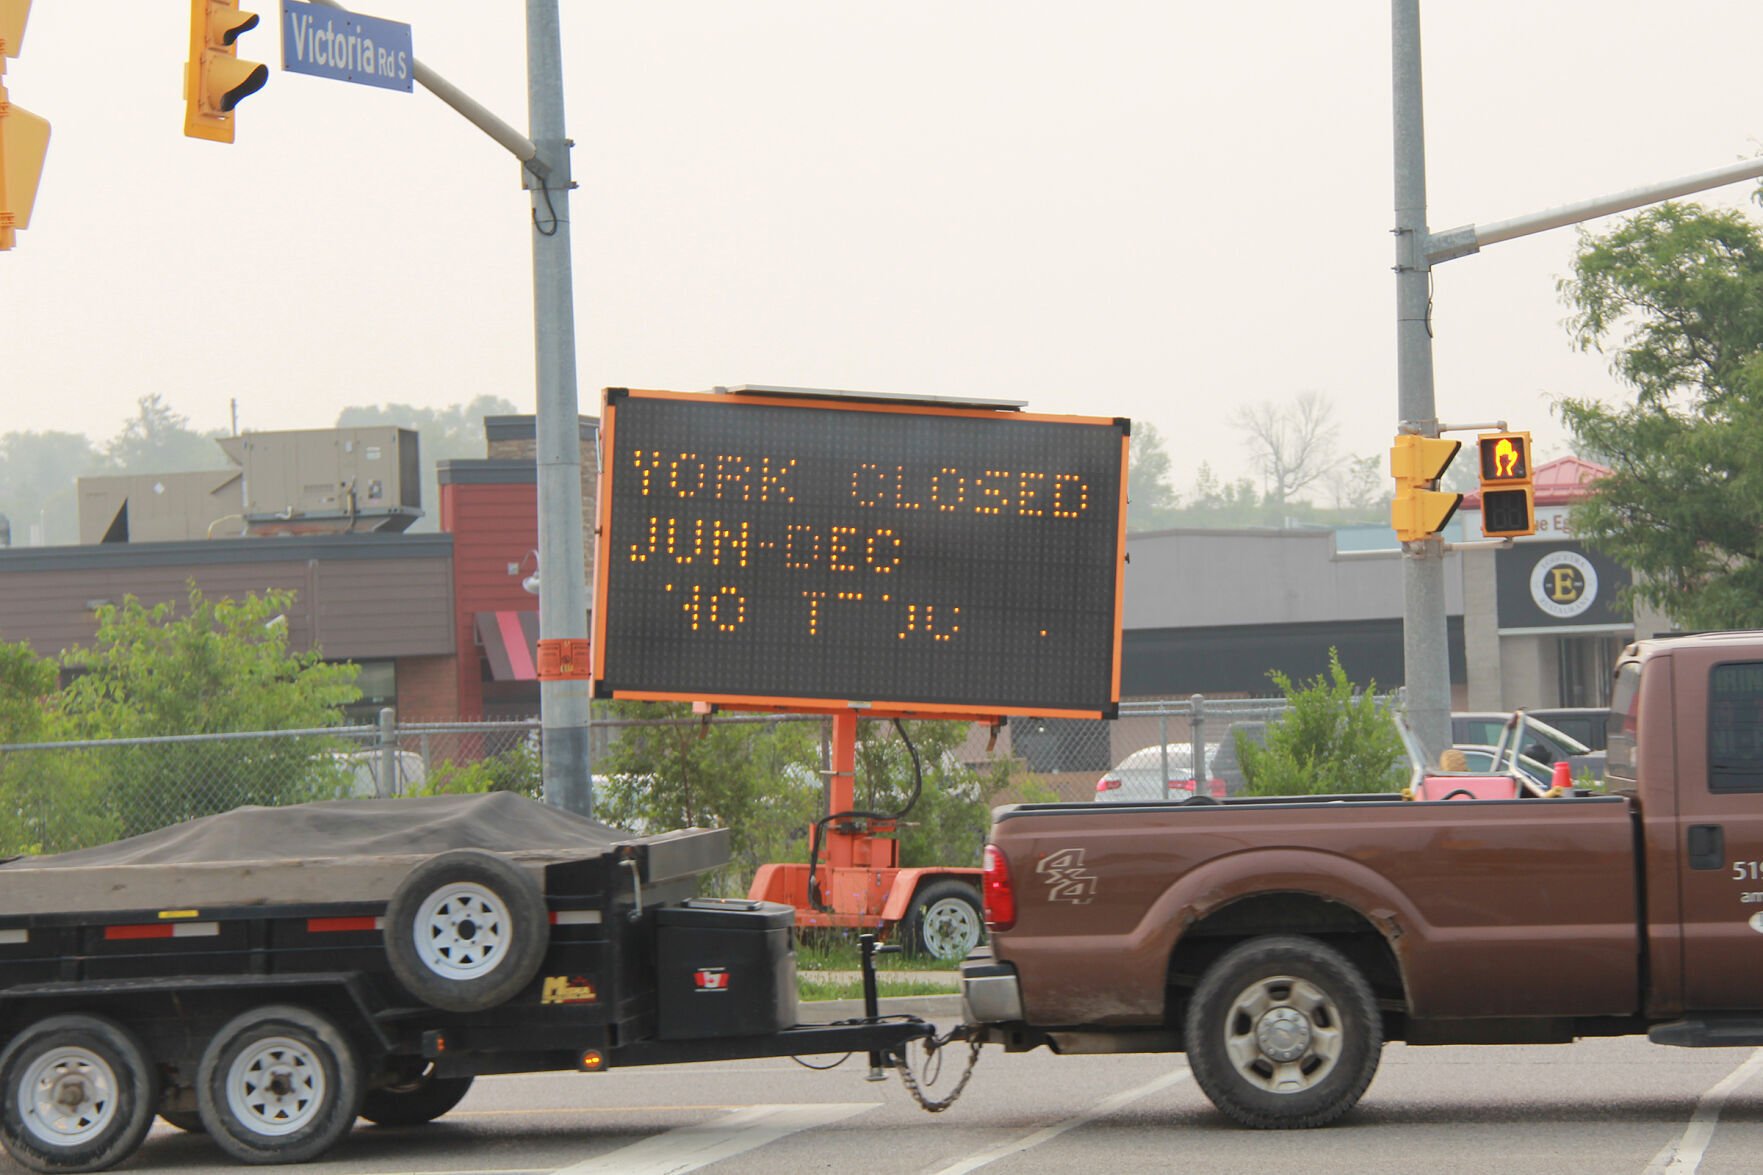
(564, 715)
(1427, 667)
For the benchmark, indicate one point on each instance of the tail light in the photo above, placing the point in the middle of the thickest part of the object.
(1106, 783)
(1000, 898)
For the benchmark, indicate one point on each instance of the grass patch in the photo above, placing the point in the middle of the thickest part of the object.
(814, 987)
(837, 951)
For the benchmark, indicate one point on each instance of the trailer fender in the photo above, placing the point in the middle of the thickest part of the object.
(909, 881)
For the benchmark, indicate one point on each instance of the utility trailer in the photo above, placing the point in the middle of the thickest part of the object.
(269, 975)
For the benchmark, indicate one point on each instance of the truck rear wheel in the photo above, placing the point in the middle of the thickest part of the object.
(944, 922)
(466, 930)
(278, 1084)
(1283, 1033)
(78, 1094)
(414, 1100)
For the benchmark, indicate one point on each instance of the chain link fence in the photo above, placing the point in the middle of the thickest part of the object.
(66, 795)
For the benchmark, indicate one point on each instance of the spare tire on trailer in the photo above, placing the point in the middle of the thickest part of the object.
(466, 930)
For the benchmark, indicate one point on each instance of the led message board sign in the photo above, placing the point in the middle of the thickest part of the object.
(817, 552)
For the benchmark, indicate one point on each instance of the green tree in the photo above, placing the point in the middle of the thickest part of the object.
(1333, 739)
(38, 471)
(1150, 502)
(443, 434)
(27, 683)
(759, 780)
(947, 825)
(1675, 295)
(49, 799)
(158, 440)
(210, 666)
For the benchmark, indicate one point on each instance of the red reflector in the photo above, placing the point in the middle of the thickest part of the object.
(327, 925)
(1106, 783)
(1000, 898)
(150, 930)
(711, 979)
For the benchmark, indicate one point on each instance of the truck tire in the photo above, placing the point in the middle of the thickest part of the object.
(466, 930)
(1283, 1033)
(78, 1094)
(415, 1100)
(945, 921)
(278, 1084)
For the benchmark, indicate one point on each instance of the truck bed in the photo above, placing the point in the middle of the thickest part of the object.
(1114, 887)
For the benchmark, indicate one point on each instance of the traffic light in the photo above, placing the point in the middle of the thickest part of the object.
(1508, 504)
(215, 80)
(1420, 508)
(24, 137)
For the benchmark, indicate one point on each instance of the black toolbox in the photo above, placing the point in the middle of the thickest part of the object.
(725, 968)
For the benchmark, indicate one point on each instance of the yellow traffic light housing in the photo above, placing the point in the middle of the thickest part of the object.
(1508, 501)
(215, 79)
(1420, 509)
(24, 137)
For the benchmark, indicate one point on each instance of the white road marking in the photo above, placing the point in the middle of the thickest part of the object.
(1683, 1155)
(691, 1147)
(1106, 1106)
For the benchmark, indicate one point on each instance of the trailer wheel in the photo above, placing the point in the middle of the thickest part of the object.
(278, 1084)
(412, 1101)
(78, 1094)
(944, 922)
(466, 930)
(1283, 1033)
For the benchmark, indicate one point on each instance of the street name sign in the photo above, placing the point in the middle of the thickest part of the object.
(346, 46)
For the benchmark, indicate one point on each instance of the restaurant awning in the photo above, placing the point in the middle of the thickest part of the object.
(511, 643)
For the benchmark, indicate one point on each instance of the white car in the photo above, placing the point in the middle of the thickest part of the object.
(1141, 777)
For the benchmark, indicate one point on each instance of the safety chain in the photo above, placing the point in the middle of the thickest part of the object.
(931, 1045)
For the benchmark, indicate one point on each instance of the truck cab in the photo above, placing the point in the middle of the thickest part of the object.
(1686, 737)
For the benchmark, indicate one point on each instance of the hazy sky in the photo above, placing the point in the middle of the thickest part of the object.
(1156, 210)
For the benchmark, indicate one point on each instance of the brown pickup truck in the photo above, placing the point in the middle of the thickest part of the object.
(1280, 941)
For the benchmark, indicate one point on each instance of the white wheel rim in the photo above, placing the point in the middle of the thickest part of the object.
(68, 1096)
(276, 1086)
(951, 929)
(1283, 1034)
(462, 931)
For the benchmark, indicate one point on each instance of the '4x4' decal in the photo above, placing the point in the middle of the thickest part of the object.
(1067, 879)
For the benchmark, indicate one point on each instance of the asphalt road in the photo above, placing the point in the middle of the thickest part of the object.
(1600, 1107)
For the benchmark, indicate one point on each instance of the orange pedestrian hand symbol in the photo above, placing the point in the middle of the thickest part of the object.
(1505, 459)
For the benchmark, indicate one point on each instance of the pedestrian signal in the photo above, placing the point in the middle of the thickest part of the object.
(1508, 501)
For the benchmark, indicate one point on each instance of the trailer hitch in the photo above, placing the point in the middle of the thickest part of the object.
(932, 1068)
(900, 1059)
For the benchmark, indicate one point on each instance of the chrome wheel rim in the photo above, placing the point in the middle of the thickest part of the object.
(1283, 1034)
(950, 929)
(276, 1086)
(68, 1096)
(462, 931)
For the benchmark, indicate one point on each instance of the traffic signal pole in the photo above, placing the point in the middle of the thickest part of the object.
(1425, 653)
(1427, 666)
(564, 707)
(564, 714)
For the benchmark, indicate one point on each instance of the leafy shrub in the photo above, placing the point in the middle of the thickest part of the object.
(1333, 739)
